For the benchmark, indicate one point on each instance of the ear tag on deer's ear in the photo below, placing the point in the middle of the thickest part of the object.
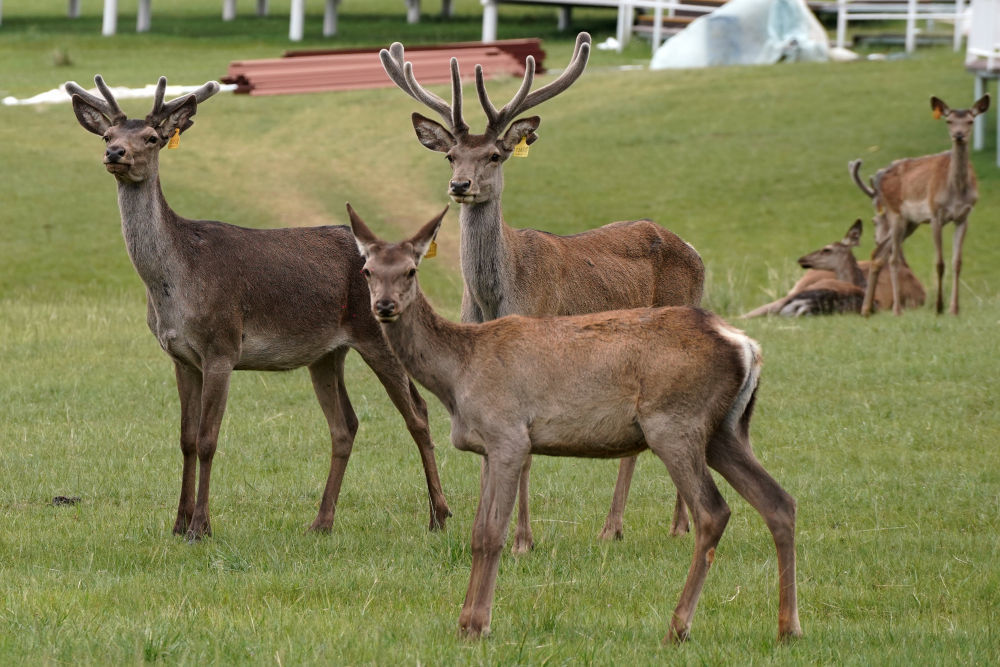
(936, 113)
(521, 150)
(432, 250)
(175, 140)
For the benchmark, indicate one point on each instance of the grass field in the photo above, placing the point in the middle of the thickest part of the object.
(885, 430)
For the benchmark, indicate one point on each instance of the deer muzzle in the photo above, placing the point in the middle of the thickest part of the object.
(385, 310)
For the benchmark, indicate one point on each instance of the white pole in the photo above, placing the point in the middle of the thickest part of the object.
(446, 9)
(657, 26)
(109, 24)
(565, 15)
(330, 18)
(959, 20)
(489, 20)
(228, 10)
(143, 17)
(262, 8)
(413, 11)
(841, 23)
(296, 20)
(911, 25)
(73, 11)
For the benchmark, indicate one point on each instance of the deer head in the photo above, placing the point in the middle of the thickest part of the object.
(831, 256)
(391, 268)
(960, 120)
(133, 146)
(476, 159)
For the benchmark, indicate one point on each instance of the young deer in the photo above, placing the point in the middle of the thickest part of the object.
(222, 298)
(937, 189)
(528, 272)
(676, 380)
(841, 294)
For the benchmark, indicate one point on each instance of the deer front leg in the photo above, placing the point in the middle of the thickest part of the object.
(961, 227)
(189, 390)
(524, 541)
(328, 382)
(613, 524)
(489, 532)
(875, 268)
(214, 393)
(936, 226)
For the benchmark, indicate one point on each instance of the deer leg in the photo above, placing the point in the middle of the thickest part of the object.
(936, 226)
(328, 382)
(214, 392)
(189, 390)
(679, 526)
(874, 269)
(412, 407)
(524, 541)
(961, 227)
(489, 532)
(731, 455)
(613, 524)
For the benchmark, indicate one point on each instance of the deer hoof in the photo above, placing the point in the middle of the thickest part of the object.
(611, 533)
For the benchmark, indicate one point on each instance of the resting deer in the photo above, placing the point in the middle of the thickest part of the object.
(841, 294)
(937, 189)
(222, 298)
(676, 380)
(528, 272)
(811, 286)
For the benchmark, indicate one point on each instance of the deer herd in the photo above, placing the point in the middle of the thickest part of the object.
(591, 345)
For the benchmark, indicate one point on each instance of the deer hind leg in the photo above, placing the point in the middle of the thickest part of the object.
(189, 390)
(412, 407)
(500, 474)
(683, 454)
(328, 382)
(731, 455)
(613, 524)
(524, 541)
(961, 226)
(875, 268)
(214, 393)
(936, 226)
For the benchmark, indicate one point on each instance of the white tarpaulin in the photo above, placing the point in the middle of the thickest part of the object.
(747, 32)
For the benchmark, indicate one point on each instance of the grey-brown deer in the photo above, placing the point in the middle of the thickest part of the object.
(676, 380)
(528, 272)
(937, 189)
(841, 294)
(223, 298)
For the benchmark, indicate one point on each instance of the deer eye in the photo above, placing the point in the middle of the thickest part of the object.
(106, 138)
(450, 159)
(366, 273)
(153, 139)
(495, 157)
(411, 273)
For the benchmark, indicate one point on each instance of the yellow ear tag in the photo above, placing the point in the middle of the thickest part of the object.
(175, 140)
(432, 250)
(936, 114)
(521, 150)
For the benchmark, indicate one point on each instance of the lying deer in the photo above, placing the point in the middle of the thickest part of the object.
(811, 294)
(676, 380)
(528, 272)
(938, 189)
(222, 298)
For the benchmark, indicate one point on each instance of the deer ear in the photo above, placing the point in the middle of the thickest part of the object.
(432, 134)
(362, 235)
(90, 118)
(853, 237)
(421, 241)
(178, 119)
(982, 105)
(522, 127)
(939, 107)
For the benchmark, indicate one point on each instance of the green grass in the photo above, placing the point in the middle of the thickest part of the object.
(885, 430)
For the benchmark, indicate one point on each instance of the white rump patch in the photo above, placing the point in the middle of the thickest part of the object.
(750, 350)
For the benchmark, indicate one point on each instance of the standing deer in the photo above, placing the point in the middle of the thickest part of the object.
(222, 298)
(937, 189)
(528, 272)
(676, 380)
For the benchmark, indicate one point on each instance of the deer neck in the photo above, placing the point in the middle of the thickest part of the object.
(146, 226)
(432, 349)
(958, 167)
(848, 271)
(486, 253)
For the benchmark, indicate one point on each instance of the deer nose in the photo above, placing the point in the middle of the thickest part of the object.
(114, 153)
(385, 307)
(460, 187)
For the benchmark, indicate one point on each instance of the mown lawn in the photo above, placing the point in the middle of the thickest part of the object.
(885, 430)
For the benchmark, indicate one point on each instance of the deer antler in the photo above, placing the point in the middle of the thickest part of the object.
(522, 100)
(108, 106)
(401, 72)
(161, 110)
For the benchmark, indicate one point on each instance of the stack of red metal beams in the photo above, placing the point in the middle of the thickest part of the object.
(347, 69)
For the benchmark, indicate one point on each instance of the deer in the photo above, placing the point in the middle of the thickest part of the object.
(528, 272)
(811, 294)
(222, 298)
(677, 380)
(935, 189)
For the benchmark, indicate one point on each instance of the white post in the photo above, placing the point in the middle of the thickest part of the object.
(109, 24)
(911, 25)
(143, 17)
(841, 23)
(73, 11)
(657, 26)
(959, 19)
(978, 125)
(228, 10)
(262, 7)
(565, 14)
(624, 30)
(330, 18)
(489, 20)
(296, 20)
(446, 9)
(413, 11)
